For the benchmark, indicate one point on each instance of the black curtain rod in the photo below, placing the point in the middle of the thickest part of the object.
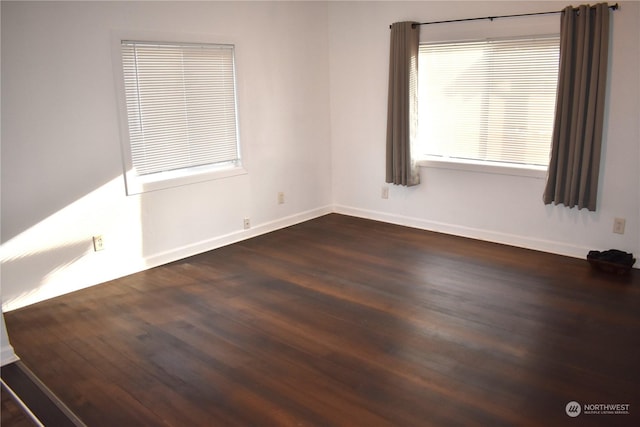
(491, 18)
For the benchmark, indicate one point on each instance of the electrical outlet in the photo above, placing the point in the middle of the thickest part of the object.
(618, 225)
(98, 243)
(385, 192)
(281, 198)
(247, 223)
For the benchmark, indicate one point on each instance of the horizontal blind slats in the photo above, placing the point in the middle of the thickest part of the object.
(488, 100)
(181, 105)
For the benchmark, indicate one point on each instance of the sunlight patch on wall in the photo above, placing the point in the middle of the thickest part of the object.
(56, 256)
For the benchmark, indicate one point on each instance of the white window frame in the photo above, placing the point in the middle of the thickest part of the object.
(480, 30)
(137, 184)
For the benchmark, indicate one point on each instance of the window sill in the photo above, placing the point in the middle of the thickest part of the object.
(529, 171)
(159, 181)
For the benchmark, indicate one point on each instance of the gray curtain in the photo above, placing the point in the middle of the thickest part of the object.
(577, 135)
(402, 108)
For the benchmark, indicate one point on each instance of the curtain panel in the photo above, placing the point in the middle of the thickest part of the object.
(402, 108)
(577, 135)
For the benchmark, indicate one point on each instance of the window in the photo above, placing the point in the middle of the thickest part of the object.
(489, 101)
(180, 113)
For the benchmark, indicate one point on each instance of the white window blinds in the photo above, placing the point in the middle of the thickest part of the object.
(490, 100)
(181, 105)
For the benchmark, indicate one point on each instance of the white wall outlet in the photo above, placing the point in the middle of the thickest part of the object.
(98, 243)
(385, 192)
(618, 225)
(280, 198)
(247, 223)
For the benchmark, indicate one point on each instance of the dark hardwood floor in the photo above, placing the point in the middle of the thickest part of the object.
(344, 321)
(11, 413)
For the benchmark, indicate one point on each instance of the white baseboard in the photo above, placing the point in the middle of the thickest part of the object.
(7, 354)
(175, 254)
(526, 242)
(168, 256)
(234, 237)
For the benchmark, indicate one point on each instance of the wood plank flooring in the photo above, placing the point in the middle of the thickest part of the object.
(33, 399)
(11, 414)
(341, 321)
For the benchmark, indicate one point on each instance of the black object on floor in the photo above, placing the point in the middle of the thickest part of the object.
(611, 261)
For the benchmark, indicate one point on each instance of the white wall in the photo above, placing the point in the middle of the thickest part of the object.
(61, 160)
(7, 355)
(501, 208)
(312, 81)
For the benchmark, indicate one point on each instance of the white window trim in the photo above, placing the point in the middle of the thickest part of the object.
(476, 166)
(177, 178)
(480, 166)
(135, 184)
(478, 30)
